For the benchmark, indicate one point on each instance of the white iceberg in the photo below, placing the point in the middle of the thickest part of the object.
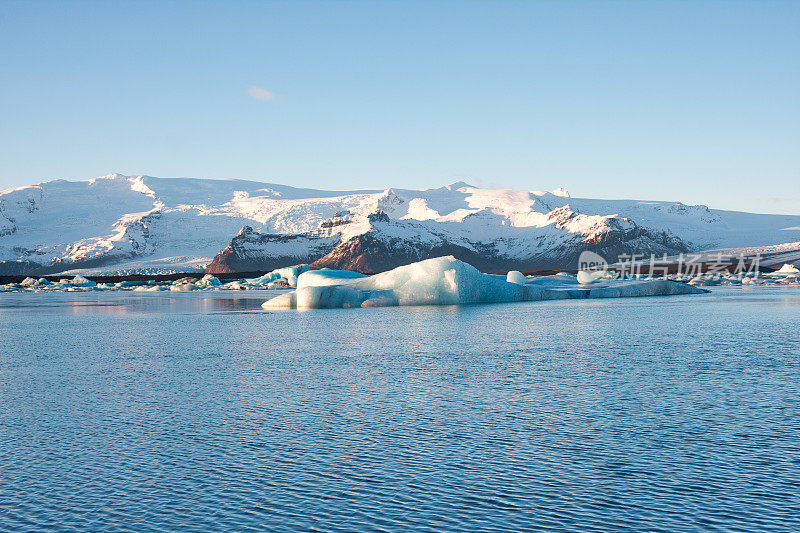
(448, 281)
(515, 276)
(209, 280)
(80, 281)
(788, 269)
(152, 288)
(585, 277)
(327, 276)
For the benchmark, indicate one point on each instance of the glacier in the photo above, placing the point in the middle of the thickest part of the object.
(124, 225)
(449, 281)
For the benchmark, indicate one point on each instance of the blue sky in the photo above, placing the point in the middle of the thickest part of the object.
(691, 101)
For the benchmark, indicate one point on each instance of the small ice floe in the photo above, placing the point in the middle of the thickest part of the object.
(131, 283)
(151, 288)
(585, 277)
(290, 274)
(448, 281)
(788, 269)
(184, 284)
(183, 287)
(515, 276)
(209, 280)
(80, 281)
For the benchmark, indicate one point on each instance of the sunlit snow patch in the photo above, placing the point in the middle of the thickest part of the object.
(448, 281)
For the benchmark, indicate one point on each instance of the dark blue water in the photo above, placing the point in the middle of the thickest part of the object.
(197, 411)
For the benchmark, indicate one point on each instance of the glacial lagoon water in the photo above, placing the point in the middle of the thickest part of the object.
(126, 411)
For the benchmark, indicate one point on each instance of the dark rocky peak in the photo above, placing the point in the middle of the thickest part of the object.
(246, 231)
(561, 215)
(377, 217)
(338, 219)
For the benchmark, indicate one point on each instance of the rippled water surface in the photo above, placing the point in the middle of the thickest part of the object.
(198, 411)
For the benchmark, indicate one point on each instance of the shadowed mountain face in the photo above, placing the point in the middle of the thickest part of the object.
(121, 223)
(250, 251)
(388, 243)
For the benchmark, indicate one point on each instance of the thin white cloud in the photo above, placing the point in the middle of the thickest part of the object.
(261, 94)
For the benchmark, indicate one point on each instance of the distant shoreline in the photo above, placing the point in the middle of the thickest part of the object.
(137, 277)
(222, 276)
(672, 269)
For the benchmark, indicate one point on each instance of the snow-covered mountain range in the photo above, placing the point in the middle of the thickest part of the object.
(125, 224)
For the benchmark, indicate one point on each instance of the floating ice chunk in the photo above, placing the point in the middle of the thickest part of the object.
(263, 280)
(184, 281)
(585, 277)
(131, 283)
(209, 281)
(32, 282)
(448, 281)
(788, 269)
(326, 276)
(650, 287)
(439, 281)
(80, 281)
(287, 300)
(290, 274)
(515, 276)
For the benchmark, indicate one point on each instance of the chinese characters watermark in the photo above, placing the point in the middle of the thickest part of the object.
(684, 265)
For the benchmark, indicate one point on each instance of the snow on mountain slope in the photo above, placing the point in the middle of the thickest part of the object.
(145, 222)
(510, 229)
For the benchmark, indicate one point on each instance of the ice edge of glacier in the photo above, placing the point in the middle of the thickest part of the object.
(449, 281)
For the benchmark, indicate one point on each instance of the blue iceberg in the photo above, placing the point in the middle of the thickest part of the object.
(448, 281)
(290, 274)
